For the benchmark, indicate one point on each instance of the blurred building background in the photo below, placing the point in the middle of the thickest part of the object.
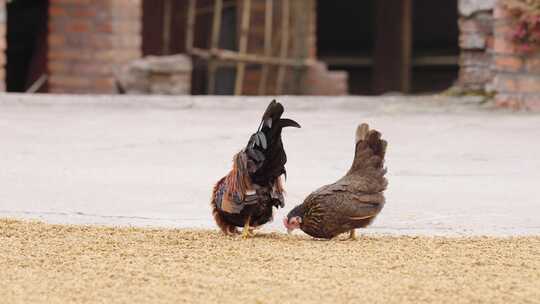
(342, 47)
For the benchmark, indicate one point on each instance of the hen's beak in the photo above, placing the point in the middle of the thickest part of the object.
(286, 224)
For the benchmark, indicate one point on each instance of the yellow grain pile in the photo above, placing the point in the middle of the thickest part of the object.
(41, 263)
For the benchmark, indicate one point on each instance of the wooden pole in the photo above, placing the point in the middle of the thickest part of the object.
(244, 33)
(303, 19)
(268, 16)
(167, 17)
(214, 45)
(285, 9)
(232, 56)
(393, 46)
(190, 25)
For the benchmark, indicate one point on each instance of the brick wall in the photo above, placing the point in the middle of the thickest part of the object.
(517, 79)
(88, 39)
(3, 19)
(476, 43)
(315, 80)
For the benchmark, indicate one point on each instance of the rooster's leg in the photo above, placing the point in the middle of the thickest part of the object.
(352, 235)
(247, 231)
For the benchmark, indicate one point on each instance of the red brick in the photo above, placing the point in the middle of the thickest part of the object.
(490, 42)
(128, 41)
(64, 2)
(531, 102)
(529, 84)
(67, 54)
(533, 65)
(85, 11)
(506, 83)
(92, 38)
(468, 25)
(511, 101)
(508, 63)
(104, 82)
(127, 27)
(56, 40)
(504, 29)
(78, 26)
(503, 45)
(58, 67)
(68, 80)
(56, 11)
(93, 68)
(104, 27)
(100, 41)
(104, 55)
(500, 12)
(125, 55)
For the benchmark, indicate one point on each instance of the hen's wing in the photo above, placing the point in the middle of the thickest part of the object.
(338, 207)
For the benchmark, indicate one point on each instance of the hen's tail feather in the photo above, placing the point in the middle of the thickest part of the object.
(370, 151)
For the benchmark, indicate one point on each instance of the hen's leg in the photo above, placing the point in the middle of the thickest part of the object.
(352, 235)
(246, 232)
(231, 230)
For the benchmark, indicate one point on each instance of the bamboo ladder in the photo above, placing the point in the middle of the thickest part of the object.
(216, 56)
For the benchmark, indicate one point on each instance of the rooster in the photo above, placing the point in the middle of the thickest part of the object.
(246, 196)
(353, 201)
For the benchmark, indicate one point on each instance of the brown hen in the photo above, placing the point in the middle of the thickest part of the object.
(353, 201)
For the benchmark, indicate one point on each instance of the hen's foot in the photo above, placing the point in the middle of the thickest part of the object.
(232, 232)
(352, 235)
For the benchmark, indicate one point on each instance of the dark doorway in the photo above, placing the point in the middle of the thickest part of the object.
(347, 35)
(26, 51)
(345, 40)
(435, 45)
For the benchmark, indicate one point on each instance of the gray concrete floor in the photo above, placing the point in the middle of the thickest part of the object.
(454, 167)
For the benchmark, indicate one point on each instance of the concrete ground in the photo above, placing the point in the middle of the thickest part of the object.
(454, 167)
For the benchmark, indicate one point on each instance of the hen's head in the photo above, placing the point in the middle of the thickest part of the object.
(294, 219)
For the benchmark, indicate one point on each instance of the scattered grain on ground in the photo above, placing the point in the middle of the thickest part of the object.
(42, 263)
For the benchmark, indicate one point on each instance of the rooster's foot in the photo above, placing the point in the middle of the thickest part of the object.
(247, 233)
